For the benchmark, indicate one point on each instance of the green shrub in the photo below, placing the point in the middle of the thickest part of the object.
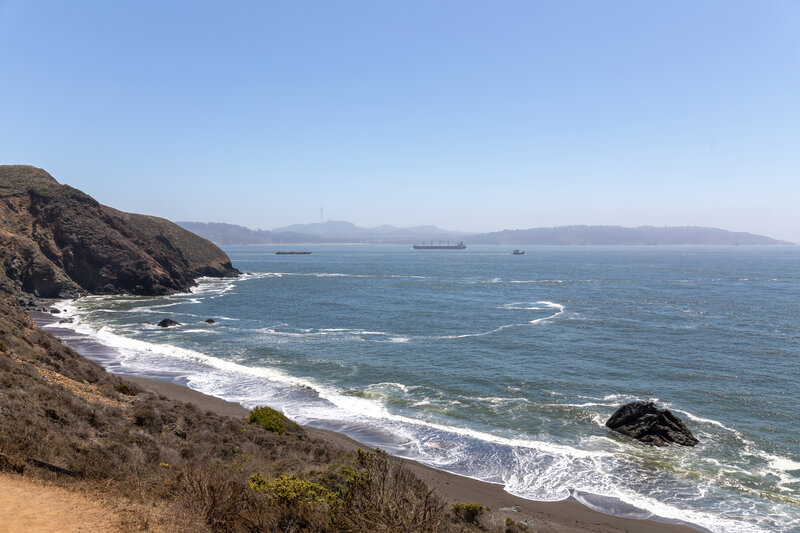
(468, 512)
(292, 490)
(269, 419)
(346, 482)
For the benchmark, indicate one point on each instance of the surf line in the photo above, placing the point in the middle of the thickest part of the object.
(551, 305)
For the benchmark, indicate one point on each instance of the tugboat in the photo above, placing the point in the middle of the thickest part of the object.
(518, 252)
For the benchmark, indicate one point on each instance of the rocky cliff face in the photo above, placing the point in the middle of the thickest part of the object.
(56, 241)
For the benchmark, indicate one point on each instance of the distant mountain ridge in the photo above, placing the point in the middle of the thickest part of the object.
(333, 228)
(618, 235)
(221, 233)
(333, 231)
(347, 232)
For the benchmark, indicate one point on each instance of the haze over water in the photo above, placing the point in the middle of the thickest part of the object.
(505, 367)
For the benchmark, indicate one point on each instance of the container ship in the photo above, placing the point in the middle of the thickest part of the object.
(441, 246)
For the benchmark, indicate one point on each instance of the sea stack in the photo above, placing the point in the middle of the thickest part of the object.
(648, 424)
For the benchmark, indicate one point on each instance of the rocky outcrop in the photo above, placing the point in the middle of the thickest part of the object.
(648, 424)
(56, 241)
(168, 323)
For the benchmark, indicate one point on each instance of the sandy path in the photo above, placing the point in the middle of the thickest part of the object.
(27, 507)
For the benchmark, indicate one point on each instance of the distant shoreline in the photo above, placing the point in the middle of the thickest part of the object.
(341, 232)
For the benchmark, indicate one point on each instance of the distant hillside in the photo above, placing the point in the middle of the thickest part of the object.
(617, 235)
(341, 232)
(325, 232)
(56, 241)
(222, 233)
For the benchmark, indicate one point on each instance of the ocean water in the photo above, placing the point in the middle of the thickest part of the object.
(505, 368)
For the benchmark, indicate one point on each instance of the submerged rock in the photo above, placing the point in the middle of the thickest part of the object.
(648, 424)
(168, 323)
(210, 321)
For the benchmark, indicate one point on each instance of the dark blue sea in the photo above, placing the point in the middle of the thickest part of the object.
(505, 368)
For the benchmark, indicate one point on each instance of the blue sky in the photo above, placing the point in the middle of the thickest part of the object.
(475, 116)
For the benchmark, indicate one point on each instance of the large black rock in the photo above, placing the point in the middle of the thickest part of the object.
(648, 424)
(168, 323)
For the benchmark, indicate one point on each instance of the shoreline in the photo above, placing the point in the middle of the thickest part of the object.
(568, 515)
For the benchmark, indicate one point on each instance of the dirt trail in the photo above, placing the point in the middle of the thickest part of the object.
(27, 507)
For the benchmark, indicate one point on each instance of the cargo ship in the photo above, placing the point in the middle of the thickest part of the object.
(441, 246)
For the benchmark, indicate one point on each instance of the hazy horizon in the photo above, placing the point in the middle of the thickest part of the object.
(466, 232)
(467, 116)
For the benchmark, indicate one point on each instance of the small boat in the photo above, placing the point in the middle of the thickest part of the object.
(518, 252)
(292, 253)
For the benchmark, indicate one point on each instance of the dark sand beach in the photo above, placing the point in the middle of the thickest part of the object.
(564, 516)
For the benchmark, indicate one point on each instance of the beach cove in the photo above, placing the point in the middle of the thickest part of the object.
(568, 516)
(282, 384)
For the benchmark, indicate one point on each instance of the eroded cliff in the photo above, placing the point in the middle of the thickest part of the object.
(56, 241)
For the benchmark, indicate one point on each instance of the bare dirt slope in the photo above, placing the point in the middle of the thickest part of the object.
(30, 507)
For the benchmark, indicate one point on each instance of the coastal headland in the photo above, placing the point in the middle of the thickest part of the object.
(159, 456)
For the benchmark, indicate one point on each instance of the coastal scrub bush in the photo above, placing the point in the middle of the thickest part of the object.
(468, 512)
(269, 419)
(292, 490)
(126, 389)
(514, 527)
(382, 494)
(218, 494)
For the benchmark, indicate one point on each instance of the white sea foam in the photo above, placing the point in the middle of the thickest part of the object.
(525, 281)
(132, 350)
(619, 398)
(390, 384)
(274, 332)
(580, 405)
(513, 306)
(785, 468)
(783, 463)
(696, 418)
(516, 281)
(500, 400)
